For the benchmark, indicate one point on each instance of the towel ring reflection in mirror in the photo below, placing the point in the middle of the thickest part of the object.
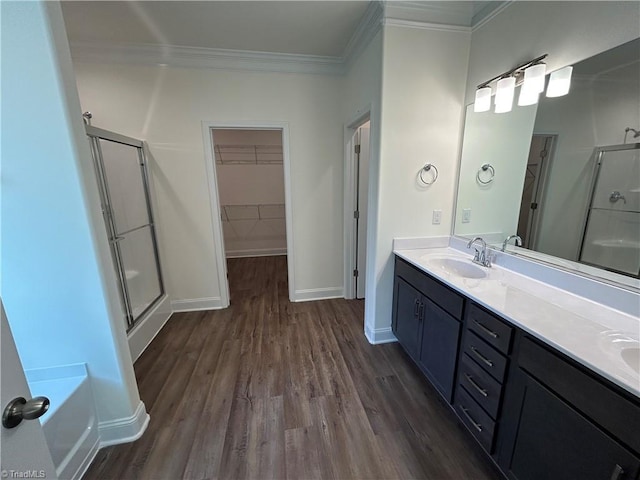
(492, 173)
(428, 168)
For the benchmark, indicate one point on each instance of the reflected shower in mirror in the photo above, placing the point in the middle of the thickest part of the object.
(572, 189)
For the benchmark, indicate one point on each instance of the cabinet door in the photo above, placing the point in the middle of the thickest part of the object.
(439, 347)
(553, 441)
(406, 321)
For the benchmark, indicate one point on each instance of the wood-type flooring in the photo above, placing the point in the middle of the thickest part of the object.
(268, 389)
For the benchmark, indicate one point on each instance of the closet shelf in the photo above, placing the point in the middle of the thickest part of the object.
(227, 154)
(264, 211)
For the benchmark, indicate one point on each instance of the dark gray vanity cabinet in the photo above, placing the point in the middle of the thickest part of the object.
(427, 323)
(536, 412)
(561, 422)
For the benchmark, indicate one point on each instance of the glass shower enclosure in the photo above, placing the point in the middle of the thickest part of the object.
(611, 238)
(123, 181)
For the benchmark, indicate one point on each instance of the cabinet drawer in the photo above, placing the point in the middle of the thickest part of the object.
(441, 295)
(489, 328)
(480, 385)
(479, 423)
(485, 356)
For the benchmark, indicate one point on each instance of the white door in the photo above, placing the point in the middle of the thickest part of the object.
(24, 451)
(362, 190)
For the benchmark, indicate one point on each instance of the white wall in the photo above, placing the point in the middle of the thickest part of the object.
(423, 83)
(165, 106)
(569, 31)
(59, 287)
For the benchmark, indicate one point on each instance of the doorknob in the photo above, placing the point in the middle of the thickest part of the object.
(20, 409)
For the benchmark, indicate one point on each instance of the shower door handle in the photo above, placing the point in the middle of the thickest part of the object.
(615, 196)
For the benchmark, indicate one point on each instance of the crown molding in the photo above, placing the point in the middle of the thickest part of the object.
(213, 58)
(430, 12)
(432, 15)
(485, 15)
(397, 22)
(365, 31)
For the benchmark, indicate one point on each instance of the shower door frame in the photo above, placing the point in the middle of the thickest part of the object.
(95, 135)
(598, 154)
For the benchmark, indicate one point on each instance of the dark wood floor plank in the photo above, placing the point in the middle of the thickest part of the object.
(269, 389)
(206, 450)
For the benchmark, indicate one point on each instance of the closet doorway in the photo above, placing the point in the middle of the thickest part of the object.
(250, 167)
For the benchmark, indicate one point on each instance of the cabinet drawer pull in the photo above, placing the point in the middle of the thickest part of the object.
(416, 306)
(421, 312)
(484, 359)
(470, 418)
(491, 333)
(617, 473)
(473, 383)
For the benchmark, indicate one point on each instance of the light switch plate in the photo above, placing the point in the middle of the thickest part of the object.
(466, 215)
(437, 217)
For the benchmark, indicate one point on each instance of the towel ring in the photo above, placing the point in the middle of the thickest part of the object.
(484, 168)
(427, 168)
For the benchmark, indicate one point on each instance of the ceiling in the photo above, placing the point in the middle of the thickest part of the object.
(303, 27)
(299, 27)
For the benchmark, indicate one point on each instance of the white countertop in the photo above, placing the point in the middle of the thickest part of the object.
(590, 333)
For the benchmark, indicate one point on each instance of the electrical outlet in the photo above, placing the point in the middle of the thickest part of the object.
(437, 217)
(466, 215)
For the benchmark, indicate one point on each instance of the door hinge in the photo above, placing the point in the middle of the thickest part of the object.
(355, 273)
(357, 149)
(534, 205)
(356, 214)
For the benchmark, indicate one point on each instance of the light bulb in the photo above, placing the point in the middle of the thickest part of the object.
(560, 82)
(527, 96)
(534, 78)
(483, 100)
(504, 94)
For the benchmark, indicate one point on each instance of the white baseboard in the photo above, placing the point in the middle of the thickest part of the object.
(195, 304)
(258, 252)
(377, 336)
(124, 430)
(147, 328)
(318, 294)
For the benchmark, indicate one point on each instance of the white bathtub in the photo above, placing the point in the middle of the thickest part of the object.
(70, 425)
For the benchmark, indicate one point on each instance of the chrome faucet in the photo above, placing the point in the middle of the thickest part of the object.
(518, 241)
(481, 257)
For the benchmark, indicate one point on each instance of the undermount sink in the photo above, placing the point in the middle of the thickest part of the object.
(456, 266)
(626, 345)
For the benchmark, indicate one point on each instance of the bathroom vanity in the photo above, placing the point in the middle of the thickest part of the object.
(545, 380)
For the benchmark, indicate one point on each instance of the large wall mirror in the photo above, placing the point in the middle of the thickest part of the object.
(564, 174)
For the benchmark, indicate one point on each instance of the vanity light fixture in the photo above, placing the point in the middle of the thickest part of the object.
(559, 82)
(504, 94)
(531, 75)
(483, 99)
